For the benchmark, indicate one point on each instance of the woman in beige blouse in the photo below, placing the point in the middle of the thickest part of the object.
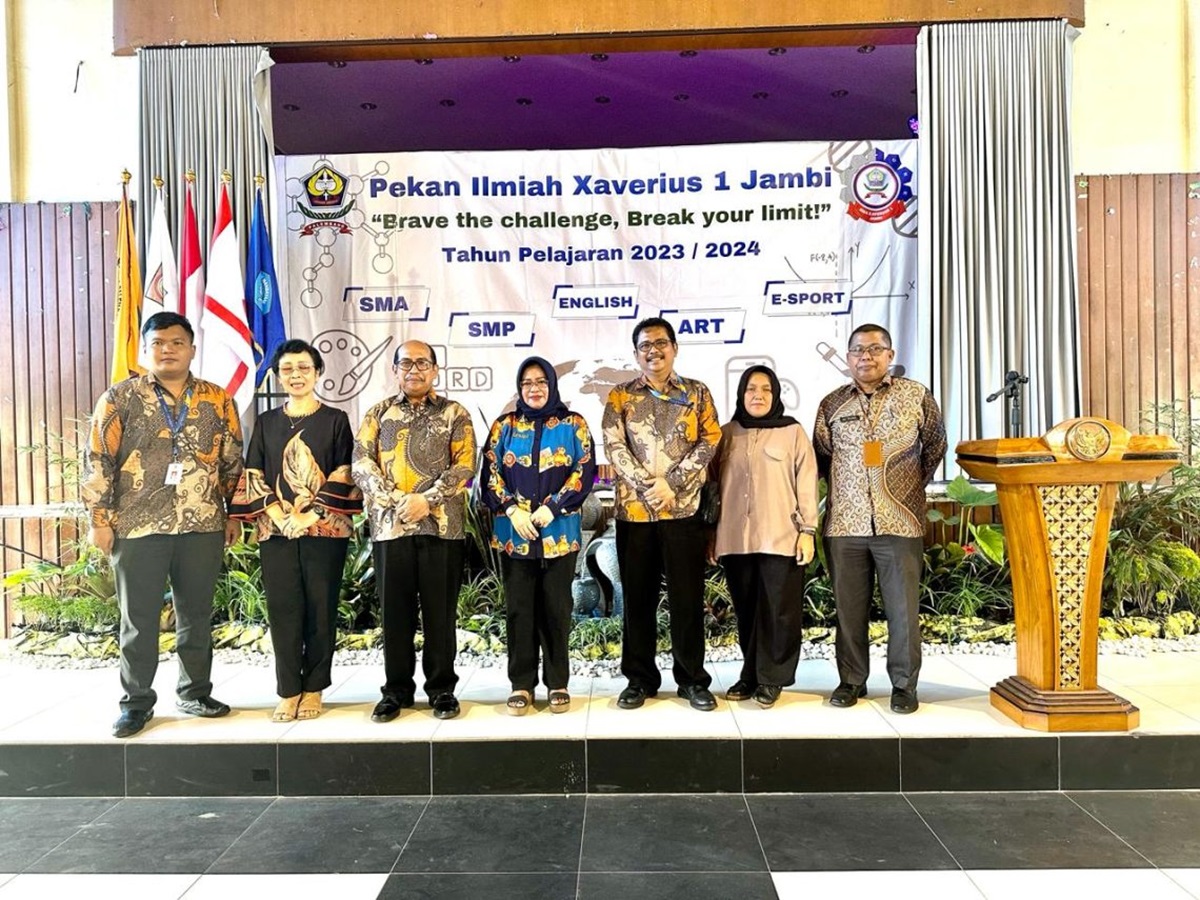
(768, 477)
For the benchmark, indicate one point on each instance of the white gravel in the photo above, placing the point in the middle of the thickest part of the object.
(610, 668)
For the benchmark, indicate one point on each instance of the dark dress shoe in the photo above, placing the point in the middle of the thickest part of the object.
(204, 707)
(766, 695)
(904, 702)
(740, 690)
(131, 721)
(633, 697)
(388, 708)
(846, 695)
(445, 706)
(700, 698)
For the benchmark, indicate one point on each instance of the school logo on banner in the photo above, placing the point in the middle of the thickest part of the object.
(876, 188)
(325, 199)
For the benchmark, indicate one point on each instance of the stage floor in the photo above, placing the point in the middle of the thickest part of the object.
(54, 737)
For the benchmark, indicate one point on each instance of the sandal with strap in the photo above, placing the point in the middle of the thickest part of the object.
(519, 702)
(285, 711)
(560, 700)
(310, 705)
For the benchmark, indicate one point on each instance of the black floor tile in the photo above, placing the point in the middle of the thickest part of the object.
(31, 828)
(201, 770)
(381, 768)
(1164, 826)
(695, 833)
(791, 765)
(1130, 762)
(496, 834)
(641, 766)
(62, 770)
(508, 767)
(843, 832)
(1022, 831)
(325, 834)
(523, 886)
(677, 885)
(979, 764)
(155, 836)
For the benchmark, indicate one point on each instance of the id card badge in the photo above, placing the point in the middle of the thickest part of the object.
(174, 473)
(872, 454)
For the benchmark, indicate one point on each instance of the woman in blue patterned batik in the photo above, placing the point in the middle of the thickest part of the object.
(538, 466)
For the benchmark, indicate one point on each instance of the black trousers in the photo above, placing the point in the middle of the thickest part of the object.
(768, 597)
(854, 563)
(646, 551)
(420, 574)
(303, 578)
(537, 593)
(142, 567)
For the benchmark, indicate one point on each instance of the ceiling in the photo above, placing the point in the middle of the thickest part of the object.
(589, 99)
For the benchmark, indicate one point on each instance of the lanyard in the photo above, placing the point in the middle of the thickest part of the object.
(869, 421)
(176, 419)
(679, 399)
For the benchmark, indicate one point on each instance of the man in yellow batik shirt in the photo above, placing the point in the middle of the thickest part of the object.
(660, 431)
(412, 458)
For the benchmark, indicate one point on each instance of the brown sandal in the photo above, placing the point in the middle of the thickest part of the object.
(560, 700)
(285, 711)
(519, 702)
(310, 705)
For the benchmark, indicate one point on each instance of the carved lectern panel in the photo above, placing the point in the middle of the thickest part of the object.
(1069, 511)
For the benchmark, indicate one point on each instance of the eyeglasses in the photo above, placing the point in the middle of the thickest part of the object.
(301, 369)
(541, 383)
(421, 365)
(660, 345)
(871, 351)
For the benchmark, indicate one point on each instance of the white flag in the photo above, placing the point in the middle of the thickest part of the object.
(161, 291)
(227, 357)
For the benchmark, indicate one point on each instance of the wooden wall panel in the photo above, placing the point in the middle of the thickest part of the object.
(56, 310)
(1139, 279)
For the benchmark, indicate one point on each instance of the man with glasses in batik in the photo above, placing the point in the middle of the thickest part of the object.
(878, 441)
(660, 431)
(412, 457)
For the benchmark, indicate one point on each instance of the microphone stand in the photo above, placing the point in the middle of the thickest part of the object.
(1011, 392)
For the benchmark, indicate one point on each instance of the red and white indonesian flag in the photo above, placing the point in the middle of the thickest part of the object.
(227, 358)
(161, 292)
(191, 272)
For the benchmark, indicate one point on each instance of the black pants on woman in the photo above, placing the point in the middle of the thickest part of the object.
(537, 593)
(768, 597)
(302, 578)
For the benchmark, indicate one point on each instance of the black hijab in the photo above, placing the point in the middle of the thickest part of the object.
(774, 417)
(554, 406)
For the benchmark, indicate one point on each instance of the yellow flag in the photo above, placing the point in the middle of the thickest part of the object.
(126, 328)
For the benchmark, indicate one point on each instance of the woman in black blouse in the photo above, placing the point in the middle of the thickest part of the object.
(297, 490)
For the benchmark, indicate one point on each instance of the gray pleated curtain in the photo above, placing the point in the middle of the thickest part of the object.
(206, 109)
(997, 239)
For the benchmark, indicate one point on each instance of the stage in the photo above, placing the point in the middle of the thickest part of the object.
(54, 738)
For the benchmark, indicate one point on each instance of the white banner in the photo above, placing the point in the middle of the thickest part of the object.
(756, 253)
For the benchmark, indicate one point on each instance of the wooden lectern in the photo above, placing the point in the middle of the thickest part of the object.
(1056, 496)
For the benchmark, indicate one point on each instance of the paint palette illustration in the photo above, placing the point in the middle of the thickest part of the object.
(349, 362)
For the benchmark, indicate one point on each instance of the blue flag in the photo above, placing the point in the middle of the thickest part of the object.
(262, 294)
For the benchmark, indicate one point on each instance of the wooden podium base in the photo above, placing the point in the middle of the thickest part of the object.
(1091, 710)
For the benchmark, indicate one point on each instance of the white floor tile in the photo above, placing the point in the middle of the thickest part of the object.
(1188, 878)
(293, 887)
(937, 885)
(127, 887)
(1095, 884)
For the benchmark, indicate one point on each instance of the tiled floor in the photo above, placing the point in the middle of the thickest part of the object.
(1024, 845)
(79, 706)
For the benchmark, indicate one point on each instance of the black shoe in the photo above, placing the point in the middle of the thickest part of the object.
(204, 707)
(904, 702)
(846, 695)
(740, 690)
(633, 697)
(700, 698)
(766, 695)
(131, 721)
(445, 705)
(389, 707)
